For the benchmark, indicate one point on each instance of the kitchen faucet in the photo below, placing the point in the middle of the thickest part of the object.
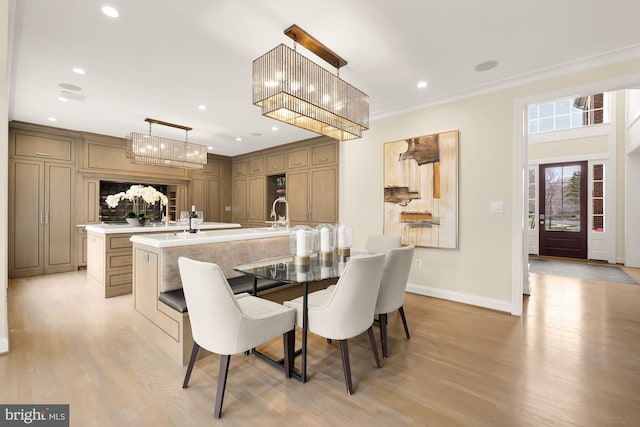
(274, 215)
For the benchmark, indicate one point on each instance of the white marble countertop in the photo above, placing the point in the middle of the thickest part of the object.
(181, 238)
(159, 227)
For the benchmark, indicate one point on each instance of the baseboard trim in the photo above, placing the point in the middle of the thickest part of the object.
(490, 303)
(4, 345)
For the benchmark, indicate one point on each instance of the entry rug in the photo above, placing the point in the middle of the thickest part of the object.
(604, 273)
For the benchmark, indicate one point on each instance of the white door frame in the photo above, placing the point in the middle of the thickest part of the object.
(519, 230)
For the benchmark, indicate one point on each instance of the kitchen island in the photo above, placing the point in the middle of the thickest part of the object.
(155, 270)
(109, 256)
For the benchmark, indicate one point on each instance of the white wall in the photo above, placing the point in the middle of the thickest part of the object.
(4, 171)
(632, 208)
(480, 270)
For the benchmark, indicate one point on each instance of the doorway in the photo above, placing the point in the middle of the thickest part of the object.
(563, 210)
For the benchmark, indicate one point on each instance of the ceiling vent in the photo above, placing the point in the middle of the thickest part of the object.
(72, 96)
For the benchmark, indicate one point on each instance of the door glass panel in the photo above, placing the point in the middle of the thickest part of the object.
(562, 198)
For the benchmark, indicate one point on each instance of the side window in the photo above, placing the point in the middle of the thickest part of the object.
(597, 215)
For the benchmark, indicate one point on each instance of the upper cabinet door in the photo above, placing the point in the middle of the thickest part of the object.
(41, 147)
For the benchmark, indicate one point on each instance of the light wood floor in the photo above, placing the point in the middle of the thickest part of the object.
(573, 358)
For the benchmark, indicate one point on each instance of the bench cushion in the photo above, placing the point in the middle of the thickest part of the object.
(175, 299)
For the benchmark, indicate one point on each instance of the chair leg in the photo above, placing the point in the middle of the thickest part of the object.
(192, 361)
(289, 342)
(222, 383)
(374, 347)
(346, 366)
(383, 334)
(404, 322)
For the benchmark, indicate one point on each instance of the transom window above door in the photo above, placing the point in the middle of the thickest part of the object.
(569, 113)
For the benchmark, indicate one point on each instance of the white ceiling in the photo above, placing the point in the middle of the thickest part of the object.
(162, 58)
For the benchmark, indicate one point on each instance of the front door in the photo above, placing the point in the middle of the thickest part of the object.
(563, 210)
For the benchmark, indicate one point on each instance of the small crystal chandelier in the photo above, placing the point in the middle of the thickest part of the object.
(155, 150)
(293, 89)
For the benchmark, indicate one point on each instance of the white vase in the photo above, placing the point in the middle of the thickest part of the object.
(134, 222)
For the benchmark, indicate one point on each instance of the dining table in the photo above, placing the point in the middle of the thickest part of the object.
(285, 270)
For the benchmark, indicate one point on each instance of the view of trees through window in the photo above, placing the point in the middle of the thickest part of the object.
(569, 113)
(562, 198)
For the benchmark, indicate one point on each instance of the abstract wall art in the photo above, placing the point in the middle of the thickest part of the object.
(421, 190)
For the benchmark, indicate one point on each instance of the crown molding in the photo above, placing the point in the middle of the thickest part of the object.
(611, 57)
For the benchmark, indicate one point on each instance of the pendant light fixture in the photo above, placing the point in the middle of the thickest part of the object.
(155, 150)
(293, 89)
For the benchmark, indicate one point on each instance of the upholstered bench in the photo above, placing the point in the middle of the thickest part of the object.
(175, 298)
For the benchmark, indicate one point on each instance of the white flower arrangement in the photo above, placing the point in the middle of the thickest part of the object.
(140, 197)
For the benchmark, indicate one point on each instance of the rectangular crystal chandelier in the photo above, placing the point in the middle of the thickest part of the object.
(155, 150)
(293, 89)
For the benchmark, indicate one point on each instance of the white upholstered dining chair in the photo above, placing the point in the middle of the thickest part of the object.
(346, 310)
(393, 285)
(377, 243)
(226, 324)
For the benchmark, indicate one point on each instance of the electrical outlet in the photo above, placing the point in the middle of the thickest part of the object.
(418, 263)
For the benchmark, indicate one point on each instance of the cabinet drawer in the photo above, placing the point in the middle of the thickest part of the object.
(298, 158)
(275, 163)
(256, 166)
(322, 155)
(119, 242)
(119, 260)
(119, 279)
(43, 148)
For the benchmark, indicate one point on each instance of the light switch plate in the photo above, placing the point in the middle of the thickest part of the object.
(497, 207)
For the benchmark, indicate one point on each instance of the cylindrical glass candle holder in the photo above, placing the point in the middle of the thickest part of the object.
(344, 238)
(301, 243)
(325, 242)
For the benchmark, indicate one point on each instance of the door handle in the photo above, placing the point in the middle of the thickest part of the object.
(541, 215)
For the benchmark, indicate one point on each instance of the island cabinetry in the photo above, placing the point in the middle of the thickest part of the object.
(42, 233)
(155, 270)
(109, 252)
(111, 263)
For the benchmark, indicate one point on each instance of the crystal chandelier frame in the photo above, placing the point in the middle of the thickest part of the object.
(293, 89)
(155, 150)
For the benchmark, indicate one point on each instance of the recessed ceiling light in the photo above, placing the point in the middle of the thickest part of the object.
(210, 148)
(238, 139)
(110, 12)
(202, 107)
(275, 128)
(79, 70)
(486, 65)
(422, 84)
(52, 119)
(63, 99)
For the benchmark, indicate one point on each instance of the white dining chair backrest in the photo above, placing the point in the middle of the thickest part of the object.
(377, 243)
(393, 283)
(349, 310)
(215, 316)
